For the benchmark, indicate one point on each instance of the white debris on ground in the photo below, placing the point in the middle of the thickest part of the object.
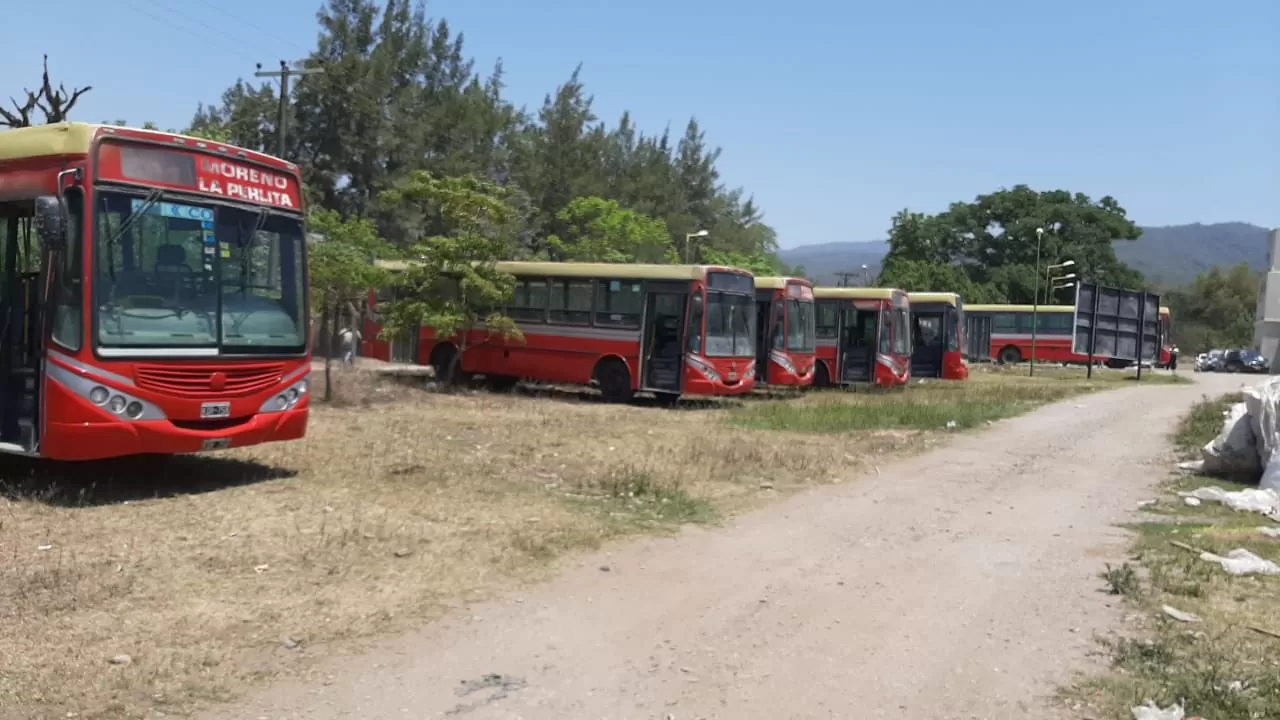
(1271, 532)
(1263, 502)
(1247, 447)
(1151, 711)
(1242, 562)
(1180, 615)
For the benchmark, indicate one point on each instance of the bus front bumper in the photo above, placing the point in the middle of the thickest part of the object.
(118, 438)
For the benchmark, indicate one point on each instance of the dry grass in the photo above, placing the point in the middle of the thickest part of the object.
(1220, 668)
(217, 571)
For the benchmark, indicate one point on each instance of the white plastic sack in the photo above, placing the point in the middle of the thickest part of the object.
(1234, 451)
(1263, 502)
(1271, 532)
(1151, 711)
(1243, 562)
(1262, 402)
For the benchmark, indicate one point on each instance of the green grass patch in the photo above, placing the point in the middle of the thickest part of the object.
(931, 405)
(1203, 423)
(631, 498)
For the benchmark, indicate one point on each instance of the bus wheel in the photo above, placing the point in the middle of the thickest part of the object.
(442, 359)
(1010, 356)
(821, 378)
(614, 380)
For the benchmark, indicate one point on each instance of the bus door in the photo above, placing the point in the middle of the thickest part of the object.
(928, 335)
(858, 338)
(977, 338)
(22, 326)
(764, 332)
(662, 351)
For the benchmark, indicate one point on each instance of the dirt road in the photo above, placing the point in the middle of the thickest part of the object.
(958, 584)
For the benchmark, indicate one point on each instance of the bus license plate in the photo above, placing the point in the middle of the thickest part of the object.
(215, 444)
(215, 410)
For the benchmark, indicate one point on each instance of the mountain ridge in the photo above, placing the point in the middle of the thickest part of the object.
(1168, 255)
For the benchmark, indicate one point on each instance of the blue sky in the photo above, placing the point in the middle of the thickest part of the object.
(834, 114)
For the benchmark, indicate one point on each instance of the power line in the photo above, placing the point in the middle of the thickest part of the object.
(284, 73)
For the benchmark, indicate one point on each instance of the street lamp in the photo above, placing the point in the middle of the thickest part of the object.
(688, 238)
(1049, 271)
(1035, 303)
(866, 278)
(1058, 283)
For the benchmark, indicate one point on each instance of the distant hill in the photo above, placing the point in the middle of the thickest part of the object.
(1171, 255)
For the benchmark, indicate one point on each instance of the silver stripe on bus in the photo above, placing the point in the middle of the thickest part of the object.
(89, 369)
(586, 332)
(115, 352)
(1027, 336)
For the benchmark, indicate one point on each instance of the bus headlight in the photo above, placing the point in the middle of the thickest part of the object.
(783, 361)
(287, 399)
(703, 367)
(117, 402)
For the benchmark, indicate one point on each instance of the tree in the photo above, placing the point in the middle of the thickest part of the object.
(399, 95)
(993, 241)
(757, 263)
(1217, 310)
(599, 230)
(932, 276)
(342, 274)
(54, 103)
(452, 283)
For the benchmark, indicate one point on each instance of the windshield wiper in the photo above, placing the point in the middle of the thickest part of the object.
(151, 199)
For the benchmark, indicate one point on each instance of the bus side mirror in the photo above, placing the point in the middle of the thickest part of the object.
(51, 221)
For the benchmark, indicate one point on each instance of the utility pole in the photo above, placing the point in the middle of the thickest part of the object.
(844, 278)
(284, 73)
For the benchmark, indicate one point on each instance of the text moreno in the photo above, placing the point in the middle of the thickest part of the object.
(245, 183)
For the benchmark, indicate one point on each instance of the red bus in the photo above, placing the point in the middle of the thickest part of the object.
(1011, 334)
(154, 294)
(669, 330)
(785, 341)
(938, 336)
(863, 336)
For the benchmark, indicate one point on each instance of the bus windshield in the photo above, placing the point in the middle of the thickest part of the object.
(196, 279)
(731, 320)
(800, 330)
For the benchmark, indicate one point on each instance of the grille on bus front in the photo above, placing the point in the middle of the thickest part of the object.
(205, 381)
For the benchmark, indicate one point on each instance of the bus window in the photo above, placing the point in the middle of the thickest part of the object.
(901, 331)
(827, 319)
(1003, 323)
(695, 323)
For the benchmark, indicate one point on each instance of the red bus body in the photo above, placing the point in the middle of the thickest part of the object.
(170, 316)
(863, 336)
(785, 338)
(938, 336)
(1011, 334)
(670, 330)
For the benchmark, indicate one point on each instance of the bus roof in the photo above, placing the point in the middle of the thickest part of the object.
(1020, 308)
(1164, 310)
(947, 298)
(779, 283)
(846, 293)
(637, 271)
(75, 138)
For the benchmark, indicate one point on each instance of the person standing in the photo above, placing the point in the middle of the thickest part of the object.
(348, 337)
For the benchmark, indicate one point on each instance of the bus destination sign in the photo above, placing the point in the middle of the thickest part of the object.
(199, 172)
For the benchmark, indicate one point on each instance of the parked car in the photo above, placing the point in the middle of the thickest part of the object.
(1210, 361)
(1247, 361)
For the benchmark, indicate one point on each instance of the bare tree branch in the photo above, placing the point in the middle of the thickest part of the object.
(56, 104)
